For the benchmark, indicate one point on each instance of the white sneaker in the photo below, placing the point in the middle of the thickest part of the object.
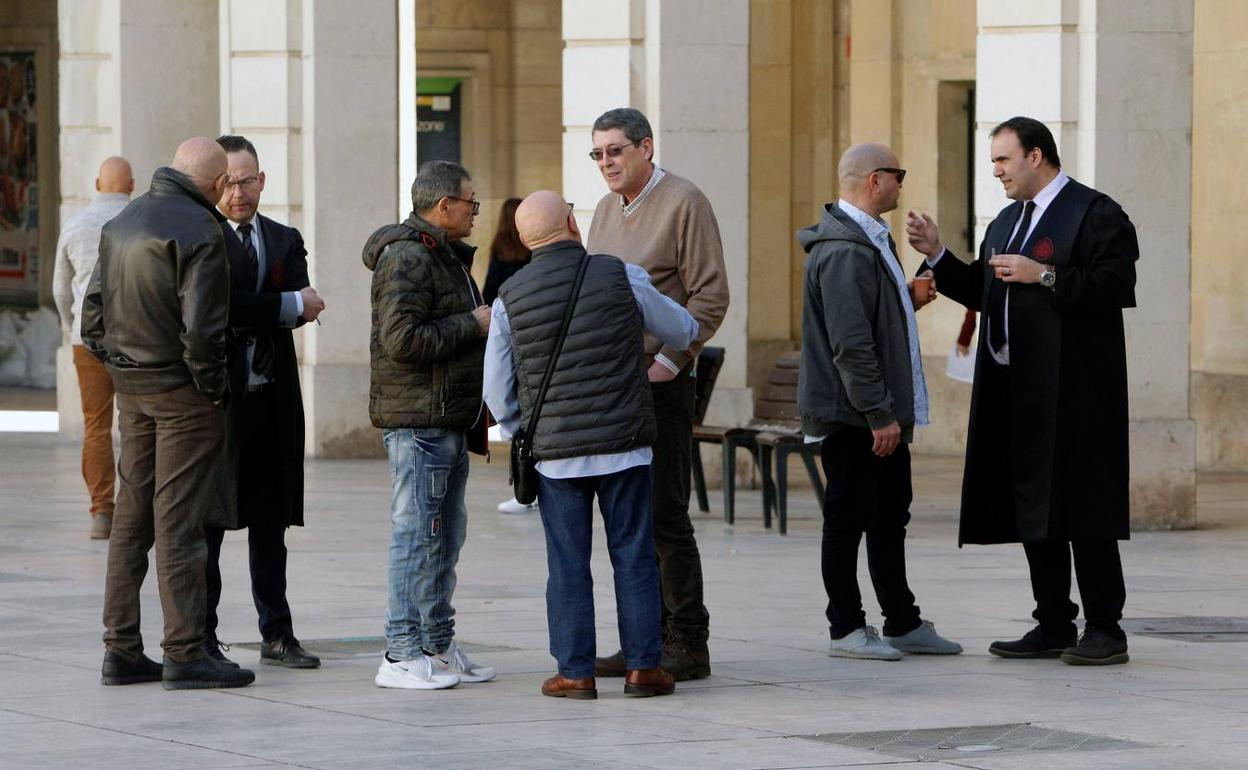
(417, 674)
(864, 643)
(453, 662)
(515, 506)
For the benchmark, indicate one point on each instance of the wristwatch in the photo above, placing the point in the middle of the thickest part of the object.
(1048, 277)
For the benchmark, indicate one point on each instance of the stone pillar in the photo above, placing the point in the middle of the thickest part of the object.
(136, 77)
(350, 183)
(686, 65)
(1114, 83)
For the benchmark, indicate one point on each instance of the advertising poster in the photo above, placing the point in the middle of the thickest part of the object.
(19, 183)
(439, 107)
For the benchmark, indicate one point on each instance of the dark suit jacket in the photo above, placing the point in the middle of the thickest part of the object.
(265, 430)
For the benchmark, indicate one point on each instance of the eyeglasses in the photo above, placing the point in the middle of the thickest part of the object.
(247, 183)
(611, 152)
(900, 173)
(476, 204)
(571, 207)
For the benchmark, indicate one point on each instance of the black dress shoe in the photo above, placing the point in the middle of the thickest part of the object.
(120, 670)
(1097, 648)
(287, 652)
(1036, 643)
(215, 649)
(612, 665)
(685, 659)
(203, 674)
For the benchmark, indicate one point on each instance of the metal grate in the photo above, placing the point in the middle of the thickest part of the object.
(951, 742)
(363, 646)
(1190, 629)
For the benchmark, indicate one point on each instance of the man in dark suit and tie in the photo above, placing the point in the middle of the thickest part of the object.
(1047, 451)
(263, 459)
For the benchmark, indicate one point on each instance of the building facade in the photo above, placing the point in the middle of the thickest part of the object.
(752, 100)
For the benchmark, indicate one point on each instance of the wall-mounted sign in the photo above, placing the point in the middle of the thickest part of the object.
(19, 180)
(439, 109)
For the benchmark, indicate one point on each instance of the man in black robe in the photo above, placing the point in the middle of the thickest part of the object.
(1047, 452)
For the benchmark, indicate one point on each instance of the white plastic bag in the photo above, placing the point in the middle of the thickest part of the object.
(960, 367)
(12, 352)
(41, 338)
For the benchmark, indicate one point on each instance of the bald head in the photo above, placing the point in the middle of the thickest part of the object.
(115, 176)
(870, 178)
(860, 160)
(204, 161)
(543, 218)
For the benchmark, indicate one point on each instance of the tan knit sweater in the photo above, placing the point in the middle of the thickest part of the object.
(673, 235)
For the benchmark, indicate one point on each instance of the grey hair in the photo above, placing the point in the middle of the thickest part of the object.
(632, 122)
(435, 180)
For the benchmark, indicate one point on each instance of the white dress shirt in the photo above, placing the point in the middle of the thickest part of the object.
(1042, 200)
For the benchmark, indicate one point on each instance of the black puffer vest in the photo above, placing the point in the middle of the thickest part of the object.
(599, 401)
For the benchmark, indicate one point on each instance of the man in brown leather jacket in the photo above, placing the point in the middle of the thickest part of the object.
(155, 313)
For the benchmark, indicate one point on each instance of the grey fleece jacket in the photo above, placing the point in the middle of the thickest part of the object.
(855, 348)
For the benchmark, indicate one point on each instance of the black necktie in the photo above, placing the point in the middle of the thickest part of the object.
(996, 291)
(262, 354)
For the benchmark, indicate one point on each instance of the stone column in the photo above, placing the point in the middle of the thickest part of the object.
(686, 65)
(350, 184)
(1114, 83)
(136, 77)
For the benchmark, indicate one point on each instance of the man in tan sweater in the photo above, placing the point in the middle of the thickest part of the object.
(665, 224)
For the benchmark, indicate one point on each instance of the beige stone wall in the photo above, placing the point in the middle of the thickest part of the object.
(1219, 323)
(825, 74)
(509, 52)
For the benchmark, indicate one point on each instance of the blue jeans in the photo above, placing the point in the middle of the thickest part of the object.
(429, 472)
(567, 517)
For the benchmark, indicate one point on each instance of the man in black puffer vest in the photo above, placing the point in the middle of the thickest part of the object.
(427, 340)
(593, 436)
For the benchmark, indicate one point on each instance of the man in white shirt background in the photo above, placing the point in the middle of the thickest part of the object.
(77, 250)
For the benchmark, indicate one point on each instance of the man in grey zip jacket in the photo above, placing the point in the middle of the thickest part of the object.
(861, 393)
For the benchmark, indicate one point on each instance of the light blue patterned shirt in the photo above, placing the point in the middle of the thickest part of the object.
(877, 231)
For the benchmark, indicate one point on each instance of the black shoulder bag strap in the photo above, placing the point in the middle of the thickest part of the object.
(554, 356)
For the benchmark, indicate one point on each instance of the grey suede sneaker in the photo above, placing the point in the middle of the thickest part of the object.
(864, 643)
(924, 641)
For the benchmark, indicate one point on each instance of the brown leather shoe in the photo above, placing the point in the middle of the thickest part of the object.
(612, 665)
(559, 686)
(648, 682)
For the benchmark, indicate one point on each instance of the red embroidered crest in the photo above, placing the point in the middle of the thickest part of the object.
(428, 240)
(1042, 251)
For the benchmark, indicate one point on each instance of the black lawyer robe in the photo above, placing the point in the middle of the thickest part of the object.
(1047, 446)
(262, 465)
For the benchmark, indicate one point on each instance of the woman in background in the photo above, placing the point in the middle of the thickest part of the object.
(507, 253)
(507, 256)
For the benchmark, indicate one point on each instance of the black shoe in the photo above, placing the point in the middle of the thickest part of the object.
(685, 659)
(287, 652)
(215, 648)
(1036, 643)
(121, 670)
(1097, 648)
(203, 674)
(612, 665)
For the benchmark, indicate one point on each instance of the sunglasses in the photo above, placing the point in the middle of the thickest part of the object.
(900, 173)
(611, 152)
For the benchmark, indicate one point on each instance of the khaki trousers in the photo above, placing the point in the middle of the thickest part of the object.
(98, 468)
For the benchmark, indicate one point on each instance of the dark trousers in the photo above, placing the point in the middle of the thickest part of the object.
(1098, 569)
(680, 564)
(169, 442)
(266, 553)
(866, 494)
(567, 509)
